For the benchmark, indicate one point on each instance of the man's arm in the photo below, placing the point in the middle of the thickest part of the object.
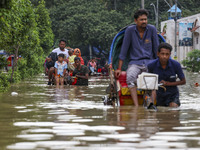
(155, 43)
(180, 74)
(119, 70)
(83, 77)
(167, 83)
(124, 49)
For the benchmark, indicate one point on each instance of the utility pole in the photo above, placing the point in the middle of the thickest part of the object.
(157, 16)
(142, 4)
(175, 19)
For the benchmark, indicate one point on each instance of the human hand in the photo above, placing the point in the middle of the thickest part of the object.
(165, 83)
(117, 73)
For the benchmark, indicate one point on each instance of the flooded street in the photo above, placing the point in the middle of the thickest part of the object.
(43, 117)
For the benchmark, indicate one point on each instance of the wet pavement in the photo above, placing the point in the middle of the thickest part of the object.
(44, 117)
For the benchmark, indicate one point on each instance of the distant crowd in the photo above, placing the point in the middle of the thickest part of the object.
(65, 65)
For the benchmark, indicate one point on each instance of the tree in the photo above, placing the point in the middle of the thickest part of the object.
(86, 23)
(19, 30)
(44, 27)
(192, 61)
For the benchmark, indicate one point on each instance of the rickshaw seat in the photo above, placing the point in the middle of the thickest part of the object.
(124, 90)
(122, 79)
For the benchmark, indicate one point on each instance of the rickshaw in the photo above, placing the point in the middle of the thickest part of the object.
(118, 90)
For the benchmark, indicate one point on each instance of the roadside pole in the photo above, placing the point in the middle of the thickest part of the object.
(142, 4)
(175, 19)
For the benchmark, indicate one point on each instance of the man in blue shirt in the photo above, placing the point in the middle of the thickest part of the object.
(140, 43)
(167, 69)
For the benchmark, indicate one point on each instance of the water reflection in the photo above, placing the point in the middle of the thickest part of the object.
(43, 117)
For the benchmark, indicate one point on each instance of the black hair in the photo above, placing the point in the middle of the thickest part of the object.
(140, 12)
(77, 58)
(61, 55)
(63, 40)
(165, 45)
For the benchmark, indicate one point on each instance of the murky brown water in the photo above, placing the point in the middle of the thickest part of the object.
(44, 118)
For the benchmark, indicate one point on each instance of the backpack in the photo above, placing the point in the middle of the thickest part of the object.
(54, 58)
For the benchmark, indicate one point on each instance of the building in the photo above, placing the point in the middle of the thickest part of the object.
(187, 35)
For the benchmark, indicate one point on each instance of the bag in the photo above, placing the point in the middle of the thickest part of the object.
(50, 64)
(54, 58)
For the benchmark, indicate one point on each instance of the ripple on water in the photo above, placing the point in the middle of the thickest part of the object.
(20, 107)
(40, 124)
(67, 117)
(102, 147)
(176, 133)
(161, 144)
(58, 112)
(56, 143)
(90, 138)
(82, 120)
(106, 128)
(39, 131)
(186, 128)
(119, 136)
(69, 132)
(25, 110)
(22, 146)
(168, 137)
(35, 137)
(71, 126)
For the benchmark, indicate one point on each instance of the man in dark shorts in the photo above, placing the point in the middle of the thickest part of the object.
(81, 72)
(167, 70)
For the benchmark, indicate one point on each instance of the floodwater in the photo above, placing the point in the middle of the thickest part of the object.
(43, 117)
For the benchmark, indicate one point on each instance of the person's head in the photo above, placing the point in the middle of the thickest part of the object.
(62, 44)
(93, 59)
(140, 18)
(77, 52)
(70, 51)
(164, 52)
(61, 57)
(77, 61)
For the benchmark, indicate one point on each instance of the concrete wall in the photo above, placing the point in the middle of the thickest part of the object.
(170, 35)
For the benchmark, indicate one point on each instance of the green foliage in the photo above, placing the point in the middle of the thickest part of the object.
(3, 62)
(25, 30)
(4, 83)
(86, 23)
(44, 27)
(16, 76)
(192, 61)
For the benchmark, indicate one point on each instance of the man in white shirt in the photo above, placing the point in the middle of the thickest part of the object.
(59, 50)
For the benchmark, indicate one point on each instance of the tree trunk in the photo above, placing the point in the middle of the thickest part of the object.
(90, 49)
(115, 4)
(14, 66)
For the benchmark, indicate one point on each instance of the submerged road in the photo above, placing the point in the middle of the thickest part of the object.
(43, 117)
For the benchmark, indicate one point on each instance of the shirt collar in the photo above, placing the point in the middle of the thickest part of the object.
(169, 64)
(135, 27)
